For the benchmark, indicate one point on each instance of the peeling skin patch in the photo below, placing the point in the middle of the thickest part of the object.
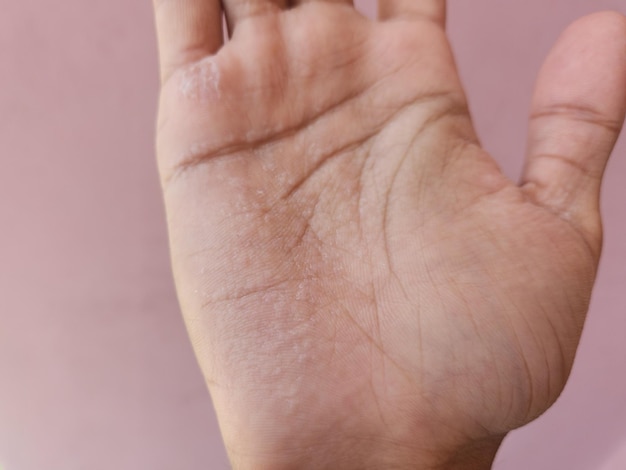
(201, 80)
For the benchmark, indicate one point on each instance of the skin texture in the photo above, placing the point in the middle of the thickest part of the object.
(363, 287)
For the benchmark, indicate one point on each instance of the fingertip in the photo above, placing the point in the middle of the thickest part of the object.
(607, 24)
(588, 65)
(610, 19)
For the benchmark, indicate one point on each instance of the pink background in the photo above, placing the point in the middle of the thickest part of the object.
(95, 368)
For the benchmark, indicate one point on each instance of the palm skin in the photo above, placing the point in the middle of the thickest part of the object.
(361, 284)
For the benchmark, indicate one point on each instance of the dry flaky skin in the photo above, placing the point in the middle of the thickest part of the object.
(364, 289)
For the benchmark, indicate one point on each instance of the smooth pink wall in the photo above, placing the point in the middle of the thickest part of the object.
(95, 368)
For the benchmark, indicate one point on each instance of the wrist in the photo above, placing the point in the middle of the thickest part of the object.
(262, 437)
(364, 454)
(477, 455)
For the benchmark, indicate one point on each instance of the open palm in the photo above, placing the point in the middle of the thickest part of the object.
(362, 285)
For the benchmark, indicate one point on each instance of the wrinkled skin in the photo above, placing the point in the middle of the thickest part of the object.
(363, 287)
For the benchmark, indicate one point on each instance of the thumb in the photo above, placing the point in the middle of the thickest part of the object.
(577, 114)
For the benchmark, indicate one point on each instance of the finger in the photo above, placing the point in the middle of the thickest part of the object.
(430, 10)
(576, 116)
(187, 30)
(238, 10)
(301, 2)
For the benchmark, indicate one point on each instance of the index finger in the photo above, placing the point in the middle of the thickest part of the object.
(431, 10)
(187, 30)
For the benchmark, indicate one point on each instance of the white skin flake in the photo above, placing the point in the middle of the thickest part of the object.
(201, 80)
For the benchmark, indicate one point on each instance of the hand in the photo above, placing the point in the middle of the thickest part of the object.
(363, 287)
